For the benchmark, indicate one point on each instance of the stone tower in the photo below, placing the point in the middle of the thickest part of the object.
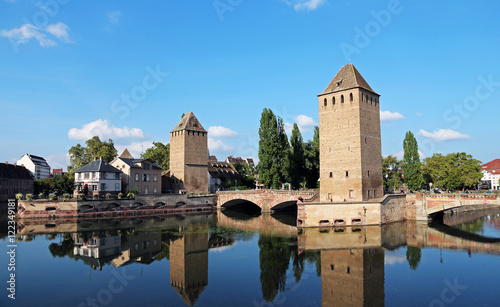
(189, 156)
(350, 146)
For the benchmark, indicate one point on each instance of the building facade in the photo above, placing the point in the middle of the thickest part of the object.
(144, 174)
(98, 178)
(221, 176)
(491, 174)
(350, 143)
(14, 179)
(189, 156)
(36, 165)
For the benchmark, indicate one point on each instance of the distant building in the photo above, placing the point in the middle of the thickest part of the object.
(144, 174)
(189, 156)
(14, 179)
(36, 165)
(491, 174)
(222, 176)
(240, 160)
(57, 172)
(98, 177)
(212, 159)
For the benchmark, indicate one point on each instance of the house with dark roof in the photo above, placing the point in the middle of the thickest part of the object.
(98, 178)
(36, 165)
(144, 174)
(491, 174)
(221, 176)
(14, 179)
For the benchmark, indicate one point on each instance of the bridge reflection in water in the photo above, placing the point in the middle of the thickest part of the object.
(350, 260)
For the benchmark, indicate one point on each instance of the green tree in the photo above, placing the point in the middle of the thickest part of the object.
(95, 148)
(247, 173)
(412, 168)
(273, 144)
(311, 152)
(159, 153)
(391, 169)
(296, 161)
(413, 255)
(65, 183)
(453, 171)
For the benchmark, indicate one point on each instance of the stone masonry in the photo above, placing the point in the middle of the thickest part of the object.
(350, 144)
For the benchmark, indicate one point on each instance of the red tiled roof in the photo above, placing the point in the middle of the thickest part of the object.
(492, 165)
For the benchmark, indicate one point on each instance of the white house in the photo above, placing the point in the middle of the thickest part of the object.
(36, 165)
(98, 177)
(491, 174)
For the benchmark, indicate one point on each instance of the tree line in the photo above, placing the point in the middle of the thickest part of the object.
(295, 162)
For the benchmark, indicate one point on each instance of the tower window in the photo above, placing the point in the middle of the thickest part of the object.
(362, 97)
(342, 98)
(371, 100)
(333, 100)
(365, 140)
(331, 175)
(350, 97)
(369, 194)
(368, 174)
(346, 174)
(348, 270)
(324, 103)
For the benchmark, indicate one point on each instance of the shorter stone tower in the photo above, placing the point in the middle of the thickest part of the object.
(189, 156)
(350, 145)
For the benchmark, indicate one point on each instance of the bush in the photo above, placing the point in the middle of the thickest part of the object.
(19, 196)
(108, 195)
(52, 196)
(29, 196)
(130, 195)
(120, 195)
(81, 197)
(67, 195)
(95, 196)
(41, 195)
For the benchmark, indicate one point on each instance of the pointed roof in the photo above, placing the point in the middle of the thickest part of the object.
(347, 78)
(126, 154)
(189, 122)
(98, 166)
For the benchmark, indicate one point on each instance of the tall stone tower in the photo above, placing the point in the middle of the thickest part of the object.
(350, 146)
(189, 156)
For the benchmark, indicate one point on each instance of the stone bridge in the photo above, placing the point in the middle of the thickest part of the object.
(424, 206)
(266, 200)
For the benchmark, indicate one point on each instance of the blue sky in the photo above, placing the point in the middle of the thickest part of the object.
(127, 70)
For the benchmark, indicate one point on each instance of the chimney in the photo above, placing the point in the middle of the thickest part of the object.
(7, 162)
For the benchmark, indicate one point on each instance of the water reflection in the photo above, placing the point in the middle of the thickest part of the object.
(350, 262)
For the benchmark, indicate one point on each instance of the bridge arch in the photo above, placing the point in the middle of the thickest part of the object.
(289, 205)
(241, 203)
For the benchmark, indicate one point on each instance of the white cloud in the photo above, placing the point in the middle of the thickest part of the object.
(221, 132)
(135, 149)
(443, 135)
(420, 114)
(223, 248)
(305, 4)
(104, 130)
(218, 145)
(394, 259)
(305, 123)
(114, 17)
(58, 161)
(26, 32)
(59, 30)
(400, 155)
(387, 116)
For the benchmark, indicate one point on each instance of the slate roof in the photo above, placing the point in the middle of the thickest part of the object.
(347, 78)
(98, 166)
(37, 160)
(189, 122)
(11, 171)
(222, 170)
(132, 163)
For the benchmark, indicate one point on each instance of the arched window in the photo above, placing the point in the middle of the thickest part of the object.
(350, 97)
(325, 102)
(342, 99)
(333, 100)
(371, 100)
(362, 97)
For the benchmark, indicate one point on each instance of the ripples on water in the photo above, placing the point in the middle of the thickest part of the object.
(240, 259)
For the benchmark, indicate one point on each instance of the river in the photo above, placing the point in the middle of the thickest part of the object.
(239, 259)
